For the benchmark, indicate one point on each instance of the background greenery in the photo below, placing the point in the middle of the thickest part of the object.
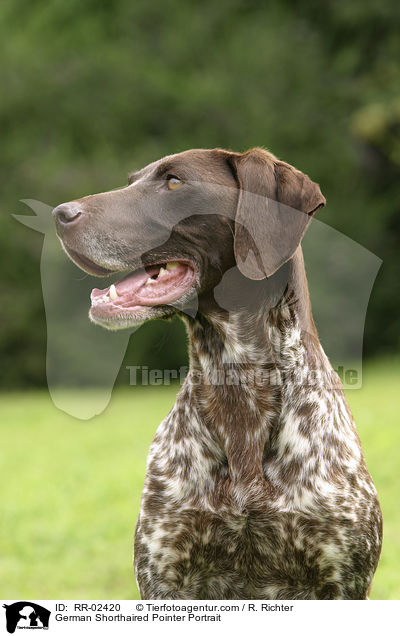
(92, 89)
(73, 490)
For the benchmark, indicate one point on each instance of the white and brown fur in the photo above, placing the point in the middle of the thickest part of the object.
(257, 492)
(256, 485)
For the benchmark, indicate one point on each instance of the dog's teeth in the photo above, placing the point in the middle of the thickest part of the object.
(149, 281)
(162, 272)
(113, 292)
(173, 265)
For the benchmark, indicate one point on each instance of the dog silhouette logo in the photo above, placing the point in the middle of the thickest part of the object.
(82, 356)
(26, 615)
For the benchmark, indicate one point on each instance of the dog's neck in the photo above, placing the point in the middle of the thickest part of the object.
(245, 322)
(243, 342)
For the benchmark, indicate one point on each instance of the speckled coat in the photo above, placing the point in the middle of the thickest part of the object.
(256, 485)
(258, 489)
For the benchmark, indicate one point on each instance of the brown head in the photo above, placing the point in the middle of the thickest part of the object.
(180, 224)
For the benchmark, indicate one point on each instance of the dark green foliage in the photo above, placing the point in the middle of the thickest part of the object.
(94, 89)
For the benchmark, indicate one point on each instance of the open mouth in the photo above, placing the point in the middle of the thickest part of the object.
(154, 285)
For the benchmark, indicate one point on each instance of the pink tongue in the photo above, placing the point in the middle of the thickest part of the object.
(133, 291)
(133, 282)
(130, 284)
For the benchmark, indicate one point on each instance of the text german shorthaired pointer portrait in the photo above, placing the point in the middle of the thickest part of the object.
(256, 485)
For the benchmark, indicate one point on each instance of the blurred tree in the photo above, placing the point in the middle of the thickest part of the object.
(94, 89)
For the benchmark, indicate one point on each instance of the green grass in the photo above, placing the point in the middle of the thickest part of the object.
(375, 409)
(71, 489)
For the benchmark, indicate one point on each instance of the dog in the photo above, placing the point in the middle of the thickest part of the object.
(256, 485)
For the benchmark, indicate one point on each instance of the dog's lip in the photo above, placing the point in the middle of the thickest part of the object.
(153, 285)
(88, 266)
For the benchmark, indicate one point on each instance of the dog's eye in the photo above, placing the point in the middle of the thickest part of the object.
(173, 183)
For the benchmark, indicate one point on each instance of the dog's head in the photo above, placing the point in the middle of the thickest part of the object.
(180, 224)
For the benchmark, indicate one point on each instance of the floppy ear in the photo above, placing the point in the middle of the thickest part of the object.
(275, 206)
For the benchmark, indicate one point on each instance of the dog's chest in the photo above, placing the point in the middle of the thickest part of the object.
(258, 490)
(202, 531)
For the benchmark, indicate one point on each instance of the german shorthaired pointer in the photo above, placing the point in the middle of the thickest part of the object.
(256, 485)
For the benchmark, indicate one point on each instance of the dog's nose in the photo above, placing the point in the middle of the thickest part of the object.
(67, 213)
